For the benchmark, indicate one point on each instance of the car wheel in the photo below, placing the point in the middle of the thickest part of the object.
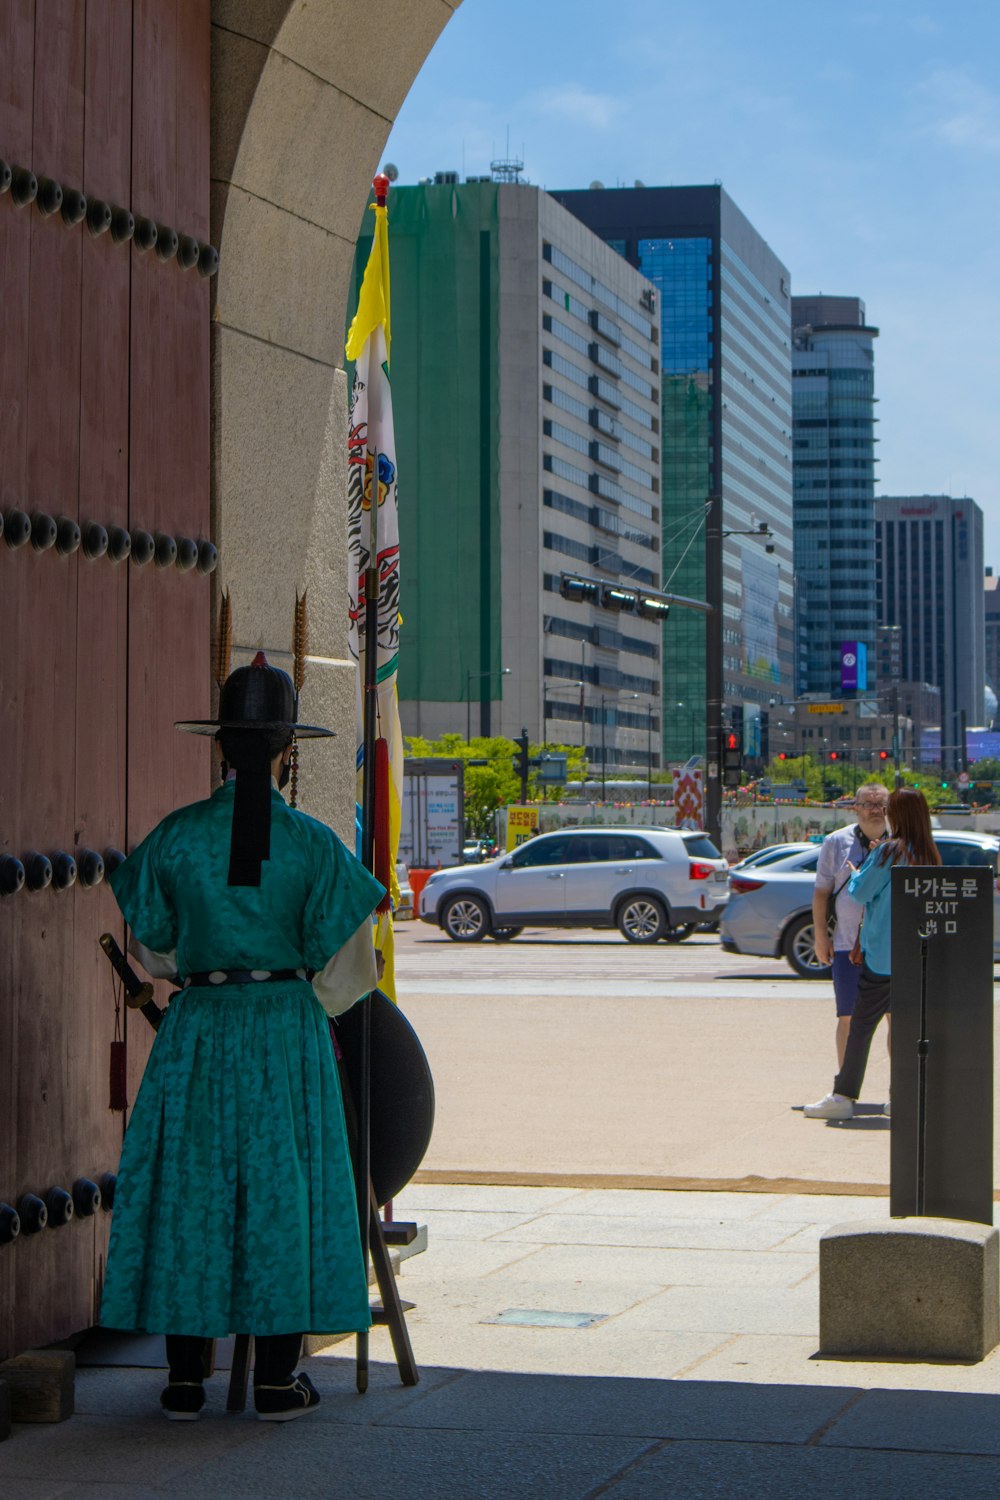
(799, 948)
(466, 919)
(679, 933)
(504, 934)
(642, 919)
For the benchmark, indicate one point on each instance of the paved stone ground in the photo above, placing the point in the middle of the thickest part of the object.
(698, 1375)
(698, 1378)
(578, 1052)
(686, 1286)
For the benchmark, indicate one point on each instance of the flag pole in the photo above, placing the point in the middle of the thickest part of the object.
(369, 736)
(371, 455)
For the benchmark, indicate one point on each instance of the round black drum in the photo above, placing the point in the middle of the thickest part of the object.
(402, 1092)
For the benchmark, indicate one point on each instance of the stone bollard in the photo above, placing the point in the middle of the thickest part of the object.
(40, 1384)
(910, 1289)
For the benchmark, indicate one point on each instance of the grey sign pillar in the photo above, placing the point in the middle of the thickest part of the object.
(942, 1042)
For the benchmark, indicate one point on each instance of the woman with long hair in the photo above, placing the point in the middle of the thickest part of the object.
(910, 843)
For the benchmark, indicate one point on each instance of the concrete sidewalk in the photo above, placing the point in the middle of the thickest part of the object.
(690, 1371)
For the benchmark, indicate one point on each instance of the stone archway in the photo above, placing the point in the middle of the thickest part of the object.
(304, 95)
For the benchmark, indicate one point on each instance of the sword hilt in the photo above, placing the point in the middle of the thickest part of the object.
(139, 994)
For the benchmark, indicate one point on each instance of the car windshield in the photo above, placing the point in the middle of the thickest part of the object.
(768, 856)
(800, 859)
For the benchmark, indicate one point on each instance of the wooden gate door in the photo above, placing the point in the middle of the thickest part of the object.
(104, 448)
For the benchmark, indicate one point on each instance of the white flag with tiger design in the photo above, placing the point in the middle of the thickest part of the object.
(370, 445)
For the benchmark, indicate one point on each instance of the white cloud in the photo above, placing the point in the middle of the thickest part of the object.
(575, 104)
(925, 25)
(964, 113)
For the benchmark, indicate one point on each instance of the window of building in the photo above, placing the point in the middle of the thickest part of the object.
(562, 262)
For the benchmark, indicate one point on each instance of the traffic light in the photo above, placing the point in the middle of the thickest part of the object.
(613, 597)
(834, 754)
(732, 758)
(883, 755)
(579, 590)
(521, 762)
(782, 755)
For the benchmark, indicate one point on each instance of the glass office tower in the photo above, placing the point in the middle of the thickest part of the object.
(833, 467)
(726, 415)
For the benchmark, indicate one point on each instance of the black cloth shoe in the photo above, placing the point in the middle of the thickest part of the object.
(283, 1403)
(182, 1400)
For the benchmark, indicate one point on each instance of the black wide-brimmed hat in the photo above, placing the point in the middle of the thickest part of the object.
(256, 704)
(257, 697)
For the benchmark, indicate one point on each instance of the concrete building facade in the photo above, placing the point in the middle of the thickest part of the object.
(727, 430)
(525, 360)
(850, 737)
(929, 581)
(833, 468)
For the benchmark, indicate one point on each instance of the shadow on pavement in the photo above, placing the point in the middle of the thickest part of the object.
(462, 1435)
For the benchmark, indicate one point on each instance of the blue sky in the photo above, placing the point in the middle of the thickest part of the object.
(862, 140)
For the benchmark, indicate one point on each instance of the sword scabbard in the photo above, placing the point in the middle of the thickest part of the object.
(139, 994)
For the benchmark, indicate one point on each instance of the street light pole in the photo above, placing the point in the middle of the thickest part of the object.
(604, 739)
(576, 687)
(713, 669)
(649, 752)
(691, 740)
(469, 676)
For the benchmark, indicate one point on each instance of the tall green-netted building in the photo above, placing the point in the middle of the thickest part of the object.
(444, 365)
(526, 402)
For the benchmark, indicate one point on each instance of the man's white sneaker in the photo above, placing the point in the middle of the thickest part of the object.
(831, 1107)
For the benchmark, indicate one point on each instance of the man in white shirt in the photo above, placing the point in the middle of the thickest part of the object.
(841, 850)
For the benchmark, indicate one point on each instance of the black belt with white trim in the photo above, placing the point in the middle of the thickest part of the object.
(242, 976)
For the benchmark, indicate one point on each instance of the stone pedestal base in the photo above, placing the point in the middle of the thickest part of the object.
(910, 1289)
(40, 1385)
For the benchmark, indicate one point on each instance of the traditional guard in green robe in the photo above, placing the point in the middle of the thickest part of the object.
(235, 1207)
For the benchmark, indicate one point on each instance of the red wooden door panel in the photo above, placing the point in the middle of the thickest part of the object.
(169, 612)
(16, 89)
(102, 599)
(104, 416)
(44, 932)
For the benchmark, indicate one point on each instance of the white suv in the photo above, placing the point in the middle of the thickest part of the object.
(651, 883)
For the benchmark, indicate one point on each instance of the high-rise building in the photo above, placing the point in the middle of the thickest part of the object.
(888, 648)
(525, 372)
(992, 630)
(833, 405)
(929, 580)
(727, 431)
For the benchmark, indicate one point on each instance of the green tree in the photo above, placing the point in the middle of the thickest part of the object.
(799, 768)
(495, 784)
(814, 772)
